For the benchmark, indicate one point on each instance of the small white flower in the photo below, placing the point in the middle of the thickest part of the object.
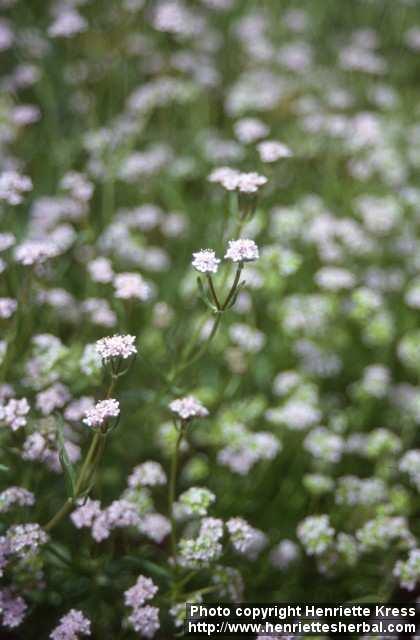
(205, 261)
(242, 250)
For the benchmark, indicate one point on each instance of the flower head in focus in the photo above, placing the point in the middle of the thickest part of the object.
(205, 261)
(103, 410)
(116, 346)
(242, 250)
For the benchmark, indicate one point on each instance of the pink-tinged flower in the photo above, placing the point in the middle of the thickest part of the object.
(245, 539)
(67, 24)
(119, 514)
(14, 413)
(205, 261)
(117, 346)
(4, 553)
(155, 526)
(71, 626)
(76, 409)
(25, 114)
(188, 407)
(242, 250)
(102, 412)
(15, 496)
(12, 187)
(249, 130)
(234, 180)
(148, 474)
(7, 36)
(7, 240)
(77, 185)
(250, 182)
(86, 514)
(145, 620)
(143, 590)
(55, 397)
(35, 252)
(7, 307)
(226, 176)
(25, 539)
(271, 151)
(132, 285)
(100, 270)
(12, 609)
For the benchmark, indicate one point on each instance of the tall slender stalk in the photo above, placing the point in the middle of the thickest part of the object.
(172, 488)
(88, 468)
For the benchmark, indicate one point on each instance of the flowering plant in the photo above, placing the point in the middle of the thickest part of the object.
(209, 295)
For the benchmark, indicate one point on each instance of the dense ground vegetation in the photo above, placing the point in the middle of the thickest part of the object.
(210, 291)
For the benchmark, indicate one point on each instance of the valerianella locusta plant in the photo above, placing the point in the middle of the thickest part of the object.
(209, 311)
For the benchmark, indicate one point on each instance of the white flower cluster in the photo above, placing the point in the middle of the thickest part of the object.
(316, 534)
(116, 346)
(25, 539)
(410, 464)
(245, 539)
(34, 252)
(272, 150)
(352, 491)
(241, 250)
(324, 445)
(102, 412)
(12, 187)
(196, 553)
(155, 526)
(188, 407)
(380, 531)
(15, 496)
(246, 448)
(408, 571)
(143, 618)
(130, 286)
(14, 413)
(148, 474)
(205, 261)
(284, 554)
(234, 180)
(196, 501)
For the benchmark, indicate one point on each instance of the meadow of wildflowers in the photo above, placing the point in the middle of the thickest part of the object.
(209, 309)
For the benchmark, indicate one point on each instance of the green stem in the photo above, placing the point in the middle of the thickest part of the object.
(203, 348)
(87, 470)
(59, 515)
(172, 488)
(234, 286)
(213, 291)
